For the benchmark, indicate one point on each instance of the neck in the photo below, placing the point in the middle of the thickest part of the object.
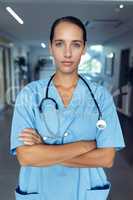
(65, 80)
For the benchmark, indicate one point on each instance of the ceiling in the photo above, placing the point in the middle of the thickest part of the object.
(103, 19)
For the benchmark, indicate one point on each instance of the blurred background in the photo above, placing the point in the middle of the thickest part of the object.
(24, 57)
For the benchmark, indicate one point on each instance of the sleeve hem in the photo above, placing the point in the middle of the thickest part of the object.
(112, 146)
(13, 149)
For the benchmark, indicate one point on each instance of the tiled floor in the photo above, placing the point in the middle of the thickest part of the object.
(121, 175)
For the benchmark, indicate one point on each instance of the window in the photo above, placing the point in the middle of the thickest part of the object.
(91, 63)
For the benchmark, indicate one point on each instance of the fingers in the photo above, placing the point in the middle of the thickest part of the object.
(30, 137)
(28, 143)
(29, 140)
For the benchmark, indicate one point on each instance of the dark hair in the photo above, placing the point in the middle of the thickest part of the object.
(71, 19)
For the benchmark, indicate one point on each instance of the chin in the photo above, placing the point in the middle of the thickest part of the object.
(68, 71)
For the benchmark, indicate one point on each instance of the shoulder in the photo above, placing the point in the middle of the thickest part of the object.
(34, 86)
(32, 92)
(101, 93)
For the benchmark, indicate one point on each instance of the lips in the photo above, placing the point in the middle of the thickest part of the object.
(67, 62)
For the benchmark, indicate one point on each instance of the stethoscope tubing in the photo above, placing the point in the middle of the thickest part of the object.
(56, 105)
(101, 124)
(93, 97)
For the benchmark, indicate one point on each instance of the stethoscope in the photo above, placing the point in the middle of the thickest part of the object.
(100, 124)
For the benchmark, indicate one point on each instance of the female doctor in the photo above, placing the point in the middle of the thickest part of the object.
(65, 129)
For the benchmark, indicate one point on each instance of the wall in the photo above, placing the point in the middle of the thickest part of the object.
(4, 45)
(9, 72)
(16, 52)
(2, 102)
(112, 82)
(116, 45)
(35, 55)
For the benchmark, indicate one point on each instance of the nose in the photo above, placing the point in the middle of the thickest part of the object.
(67, 52)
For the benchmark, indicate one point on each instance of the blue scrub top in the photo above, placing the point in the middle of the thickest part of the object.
(78, 120)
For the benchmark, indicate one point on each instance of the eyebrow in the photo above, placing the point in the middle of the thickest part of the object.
(59, 40)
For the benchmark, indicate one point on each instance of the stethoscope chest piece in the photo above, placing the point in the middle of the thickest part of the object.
(101, 124)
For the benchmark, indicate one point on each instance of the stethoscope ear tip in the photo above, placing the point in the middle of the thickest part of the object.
(101, 124)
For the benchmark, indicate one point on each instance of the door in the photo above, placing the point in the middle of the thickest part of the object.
(123, 76)
(2, 86)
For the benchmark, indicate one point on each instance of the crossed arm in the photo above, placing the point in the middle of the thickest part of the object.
(35, 152)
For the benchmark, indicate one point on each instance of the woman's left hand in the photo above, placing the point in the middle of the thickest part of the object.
(30, 137)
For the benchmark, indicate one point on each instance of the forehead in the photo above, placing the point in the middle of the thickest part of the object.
(68, 30)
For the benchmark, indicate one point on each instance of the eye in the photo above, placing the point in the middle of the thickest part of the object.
(76, 45)
(58, 44)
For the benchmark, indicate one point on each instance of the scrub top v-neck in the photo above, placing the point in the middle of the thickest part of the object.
(78, 120)
(73, 97)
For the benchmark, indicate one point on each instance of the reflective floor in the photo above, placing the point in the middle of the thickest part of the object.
(121, 175)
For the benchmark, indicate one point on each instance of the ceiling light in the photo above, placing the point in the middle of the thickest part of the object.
(121, 6)
(19, 20)
(110, 55)
(98, 48)
(11, 44)
(43, 45)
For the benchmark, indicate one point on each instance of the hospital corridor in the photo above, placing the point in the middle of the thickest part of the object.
(25, 59)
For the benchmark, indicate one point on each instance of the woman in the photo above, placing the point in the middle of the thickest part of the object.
(57, 143)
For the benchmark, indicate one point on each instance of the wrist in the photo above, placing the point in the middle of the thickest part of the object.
(88, 145)
(91, 145)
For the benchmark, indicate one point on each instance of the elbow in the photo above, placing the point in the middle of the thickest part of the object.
(23, 162)
(22, 157)
(110, 164)
(107, 163)
(109, 159)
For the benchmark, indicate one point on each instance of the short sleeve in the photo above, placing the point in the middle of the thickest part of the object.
(112, 135)
(23, 117)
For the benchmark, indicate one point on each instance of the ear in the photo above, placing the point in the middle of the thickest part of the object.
(50, 48)
(85, 49)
